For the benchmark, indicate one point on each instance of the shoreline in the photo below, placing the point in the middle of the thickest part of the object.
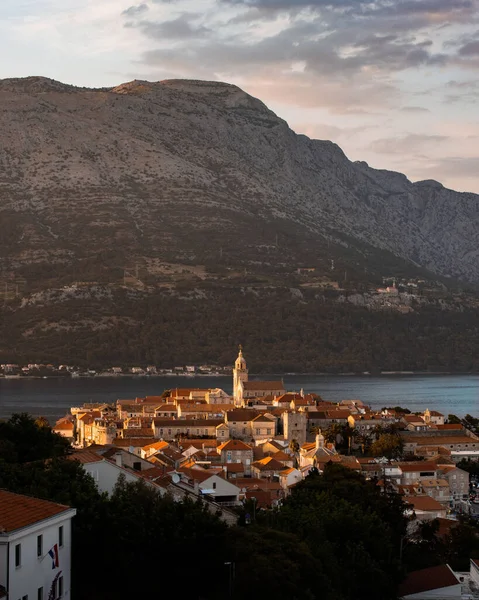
(255, 375)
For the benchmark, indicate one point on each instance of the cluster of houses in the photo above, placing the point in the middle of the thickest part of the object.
(261, 441)
(248, 448)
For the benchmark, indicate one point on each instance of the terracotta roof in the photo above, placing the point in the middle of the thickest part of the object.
(450, 426)
(235, 445)
(412, 467)
(424, 503)
(285, 472)
(264, 498)
(339, 414)
(234, 467)
(63, 426)
(185, 391)
(263, 419)
(152, 399)
(268, 464)
(263, 385)
(18, 511)
(135, 442)
(241, 414)
(138, 432)
(438, 440)
(198, 474)
(413, 419)
(282, 456)
(434, 578)
(288, 396)
(434, 413)
(207, 443)
(85, 457)
(175, 423)
(212, 408)
(156, 446)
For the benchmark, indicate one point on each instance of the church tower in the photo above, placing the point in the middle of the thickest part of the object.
(240, 375)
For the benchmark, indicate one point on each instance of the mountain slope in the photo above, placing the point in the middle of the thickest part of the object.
(123, 208)
(159, 167)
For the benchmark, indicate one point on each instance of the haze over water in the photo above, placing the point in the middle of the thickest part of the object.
(52, 398)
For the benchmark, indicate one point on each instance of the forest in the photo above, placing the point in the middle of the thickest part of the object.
(282, 333)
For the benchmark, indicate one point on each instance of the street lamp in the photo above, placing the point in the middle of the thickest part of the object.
(231, 566)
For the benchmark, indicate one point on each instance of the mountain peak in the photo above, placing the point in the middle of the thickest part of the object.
(34, 84)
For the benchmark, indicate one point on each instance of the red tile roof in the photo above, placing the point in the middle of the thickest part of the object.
(85, 457)
(235, 445)
(263, 385)
(18, 511)
(416, 466)
(434, 578)
(425, 503)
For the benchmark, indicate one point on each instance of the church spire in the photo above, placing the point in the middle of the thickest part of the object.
(240, 376)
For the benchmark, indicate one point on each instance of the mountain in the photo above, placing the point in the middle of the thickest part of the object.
(193, 191)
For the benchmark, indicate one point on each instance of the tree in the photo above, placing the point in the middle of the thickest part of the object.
(388, 445)
(294, 447)
(22, 440)
(453, 420)
(351, 526)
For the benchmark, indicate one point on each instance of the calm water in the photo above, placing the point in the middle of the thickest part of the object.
(52, 398)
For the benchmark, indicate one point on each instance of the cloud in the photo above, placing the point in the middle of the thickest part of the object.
(414, 109)
(469, 49)
(453, 166)
(133, 11)
(407, 144)
(180, 28)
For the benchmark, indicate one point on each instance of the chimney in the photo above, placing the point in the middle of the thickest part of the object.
(118, 459)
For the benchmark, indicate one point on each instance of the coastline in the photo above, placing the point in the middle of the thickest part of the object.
(255, 375)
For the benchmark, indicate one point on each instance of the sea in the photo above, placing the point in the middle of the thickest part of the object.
(53, 397)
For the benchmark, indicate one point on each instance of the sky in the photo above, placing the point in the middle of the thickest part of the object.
(393, 82)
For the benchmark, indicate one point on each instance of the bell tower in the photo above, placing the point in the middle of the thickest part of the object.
(240, 375)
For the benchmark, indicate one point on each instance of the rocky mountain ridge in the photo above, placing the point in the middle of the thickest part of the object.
(159, 169)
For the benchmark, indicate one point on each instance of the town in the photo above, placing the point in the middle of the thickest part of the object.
(243, 455)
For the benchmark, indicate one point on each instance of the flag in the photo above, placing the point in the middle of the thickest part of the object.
(53, 553)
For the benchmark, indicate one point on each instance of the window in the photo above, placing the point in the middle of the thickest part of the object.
(257, 431)
(222, 434)
(40, 593)
(60, 587)
(39, 545)
(268, 431)
(18, 555)
(60, 536)
(214, 485)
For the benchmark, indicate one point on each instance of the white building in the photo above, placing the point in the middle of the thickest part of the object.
(35, 547)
